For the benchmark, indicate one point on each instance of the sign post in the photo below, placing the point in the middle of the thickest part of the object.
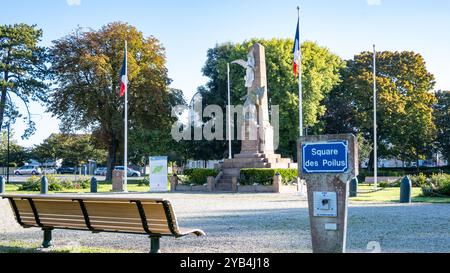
(159, 174)
(328, 163)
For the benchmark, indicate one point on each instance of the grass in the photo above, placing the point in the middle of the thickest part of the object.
(22, 247)
(102, 188)
(392, 195)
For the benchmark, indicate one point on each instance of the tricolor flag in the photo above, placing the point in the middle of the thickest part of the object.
(123, 76)
(296, 50)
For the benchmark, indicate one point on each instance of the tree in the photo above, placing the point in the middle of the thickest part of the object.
(17, 154)
(23, 71)
(73, 149)
(321, 74)
(442, 120)
(405, 123)
(144, 143)
(87, 67)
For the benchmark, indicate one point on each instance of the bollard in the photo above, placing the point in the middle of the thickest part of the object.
(2, 185)
(405, 190)
(211, 183)
(94, 185)
(277, 182)
(173, 182)
(234, 184)
(354, 187)
(44, 185)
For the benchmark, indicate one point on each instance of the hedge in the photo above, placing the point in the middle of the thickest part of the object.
(200, 176)
(265, 176)
(400, 172)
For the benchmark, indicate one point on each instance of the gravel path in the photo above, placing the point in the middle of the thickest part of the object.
(266, 223)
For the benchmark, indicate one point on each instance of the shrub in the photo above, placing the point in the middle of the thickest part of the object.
(54, 184)
(437, 185)
(265, 176)
(31, 185)
(419, 180)
(188, 172)
(144, 182)
(199, 176)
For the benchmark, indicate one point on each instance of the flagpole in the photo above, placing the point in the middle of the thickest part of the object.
(230, 156)
(301, 185)
(375, 127)
(125, 157)
(300, 87)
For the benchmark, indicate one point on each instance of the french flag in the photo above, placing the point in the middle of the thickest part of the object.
(123, 76)
(296, 50)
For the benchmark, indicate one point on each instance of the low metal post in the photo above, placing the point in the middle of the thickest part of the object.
(47, 238)
(2, 185)
(154, 247)
(94, 185)
(354, 187)
(44, 185)
(405, 190)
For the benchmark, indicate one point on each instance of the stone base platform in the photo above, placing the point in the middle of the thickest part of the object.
(231, 168)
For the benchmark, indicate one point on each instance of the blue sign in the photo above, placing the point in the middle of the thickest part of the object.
(325, 157)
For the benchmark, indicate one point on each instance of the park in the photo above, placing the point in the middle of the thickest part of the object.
(286, 147)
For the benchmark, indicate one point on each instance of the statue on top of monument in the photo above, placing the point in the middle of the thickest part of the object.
(249, 65)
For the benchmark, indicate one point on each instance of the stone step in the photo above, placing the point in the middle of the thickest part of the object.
(246, 160)
(244, 165)
(257, 156)
(227, 177)
(223, 187)
(227, 181)
(249, 156)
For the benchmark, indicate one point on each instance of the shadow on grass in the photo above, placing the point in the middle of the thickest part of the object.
(17, 249)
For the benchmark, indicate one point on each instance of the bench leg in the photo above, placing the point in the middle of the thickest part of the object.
(154, 247)
(47, 238)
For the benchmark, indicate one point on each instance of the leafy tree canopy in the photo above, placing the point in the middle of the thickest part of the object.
(22, 72)
(405, 101)
(87, 64)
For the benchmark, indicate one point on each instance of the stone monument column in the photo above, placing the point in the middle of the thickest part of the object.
(258, 92)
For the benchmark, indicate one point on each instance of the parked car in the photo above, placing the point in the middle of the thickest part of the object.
(28, 170)
(101, 171)
(66, 170)
(131, 172)
(49, 171)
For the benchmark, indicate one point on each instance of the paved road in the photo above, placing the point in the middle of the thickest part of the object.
(272, 223)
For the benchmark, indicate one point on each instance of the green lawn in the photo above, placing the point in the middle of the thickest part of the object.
(102, 188)
(393, 195)
(388, 195)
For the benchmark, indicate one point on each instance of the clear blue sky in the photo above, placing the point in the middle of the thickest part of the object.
(188, 28)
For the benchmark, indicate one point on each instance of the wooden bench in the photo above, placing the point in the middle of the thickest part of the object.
(146, 216)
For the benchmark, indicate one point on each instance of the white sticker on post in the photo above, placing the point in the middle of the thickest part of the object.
(331, 227)
(325, 204)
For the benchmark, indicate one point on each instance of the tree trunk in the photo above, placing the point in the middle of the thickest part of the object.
(370, 165)
(111, 161)
(2, 106)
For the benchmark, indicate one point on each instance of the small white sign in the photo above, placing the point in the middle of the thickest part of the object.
(325, 204)
(158, 174)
